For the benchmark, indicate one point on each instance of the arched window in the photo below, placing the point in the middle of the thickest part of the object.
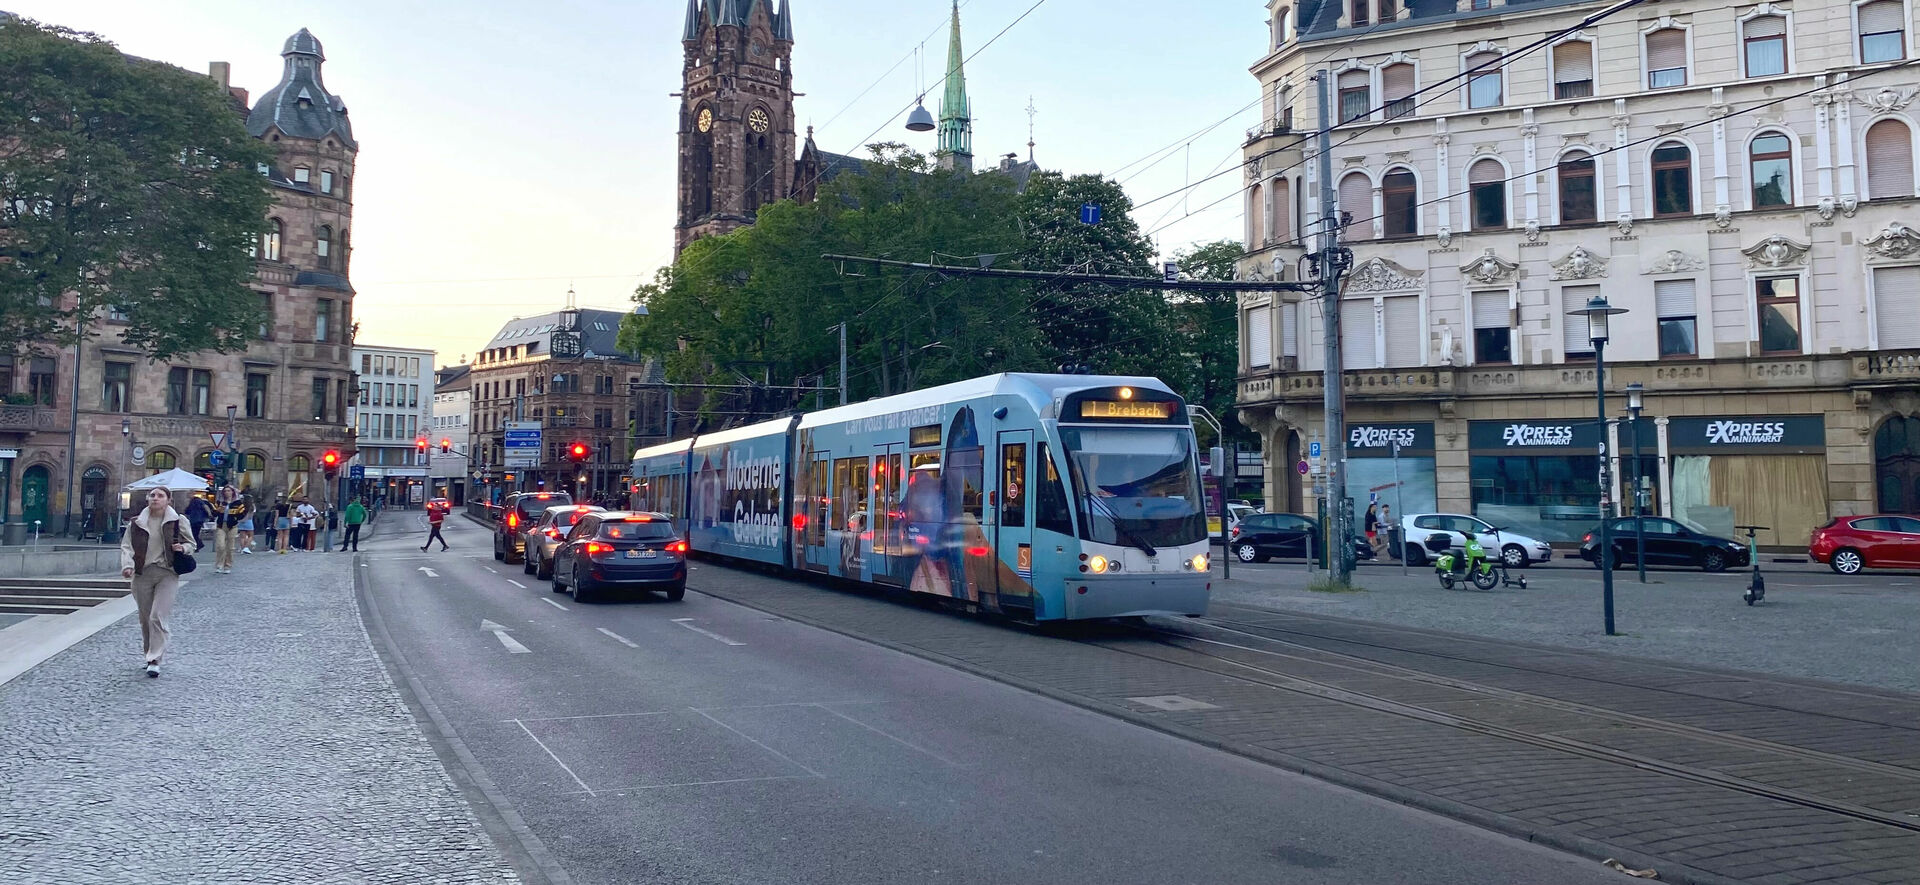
(323, 247)
(1896, 465)
(760, 165)
(1770, 158)
(1397, 83)
(254, 475)
(1484, 87)
(1579, 193)
(1400, 199)
(1666, 58)
(1356, 206)
(160, 461)
(1883, 31)
(700, 164)
(1356, 95)
(299, 464)
(270, 241)
(1765, 50)
(1255, 213)
(1672, 180)
(1488, 182)
(1889, 160)
(1282, 210)
(1573, 69)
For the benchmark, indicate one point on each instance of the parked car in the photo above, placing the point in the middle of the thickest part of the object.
(518, 514)
(1851, 543)
(547, 534)
(1669, 542)
(619, 548)
(1261, 536)
(1514, 550)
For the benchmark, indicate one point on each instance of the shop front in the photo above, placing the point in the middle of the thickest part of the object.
(1541, 478)
(1768, 470)
(1401, 485)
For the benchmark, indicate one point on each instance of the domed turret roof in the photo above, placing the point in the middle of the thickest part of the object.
(300, 106)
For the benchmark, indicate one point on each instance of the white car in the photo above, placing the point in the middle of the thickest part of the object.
(1516, 550)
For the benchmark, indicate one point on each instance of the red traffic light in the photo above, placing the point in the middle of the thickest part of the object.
(330, 459)
(420, 444)
(446, 445)
(578, 451)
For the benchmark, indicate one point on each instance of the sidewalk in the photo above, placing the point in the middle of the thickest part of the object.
(274, 749)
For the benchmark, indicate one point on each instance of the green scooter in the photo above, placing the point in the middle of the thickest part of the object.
(1469, 565)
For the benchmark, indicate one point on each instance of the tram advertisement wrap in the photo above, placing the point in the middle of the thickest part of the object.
(736, 497)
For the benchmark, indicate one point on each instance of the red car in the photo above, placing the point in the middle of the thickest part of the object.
(1851, 543)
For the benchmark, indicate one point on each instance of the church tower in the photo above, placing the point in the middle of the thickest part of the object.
(736, 115)
(956, 116)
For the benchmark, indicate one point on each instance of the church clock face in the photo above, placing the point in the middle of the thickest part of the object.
(705, 120)
(757, 120)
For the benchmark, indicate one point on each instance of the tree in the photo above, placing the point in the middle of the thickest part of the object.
(125, 184)
(1115, 331)
(1209, 327)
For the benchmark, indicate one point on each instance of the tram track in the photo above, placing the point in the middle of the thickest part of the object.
(1178, 648)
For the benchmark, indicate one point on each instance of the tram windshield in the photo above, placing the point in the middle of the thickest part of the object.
(1136, 486)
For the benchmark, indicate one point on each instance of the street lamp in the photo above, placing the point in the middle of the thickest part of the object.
(226, 464)
(1636, 400)
(1597, 313)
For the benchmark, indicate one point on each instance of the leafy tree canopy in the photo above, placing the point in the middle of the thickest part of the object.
(123, 183)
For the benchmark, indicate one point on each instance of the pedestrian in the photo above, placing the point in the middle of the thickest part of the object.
(434, 517)
(356, 514)
(310, 518)
(147, 547)
(226, 528)
(1372, 526)
(246, 527)
(197, 515)
(282, 522)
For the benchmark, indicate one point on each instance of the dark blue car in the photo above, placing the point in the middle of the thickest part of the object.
(618, 548)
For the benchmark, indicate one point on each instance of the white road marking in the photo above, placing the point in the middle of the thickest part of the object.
(616, 637)
(756, 743)
(519, 585)
(550, 755)
(552, 603)
(500, 633)
(705, 632)
(430, 572)
(898, 740)
(488, 567)
(733, 780)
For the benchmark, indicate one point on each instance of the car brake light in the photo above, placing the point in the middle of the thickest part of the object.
(595, 547)
(513, 520)
(1588, 537)
(677, 547)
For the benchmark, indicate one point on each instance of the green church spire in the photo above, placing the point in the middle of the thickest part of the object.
(956, 116)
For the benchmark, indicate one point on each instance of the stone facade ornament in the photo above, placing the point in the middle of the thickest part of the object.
(1897, 241)
(1625, 224)
(1848, 205)
(1580, 264)
(1826, 208)
(1887, 99)
(1533, 230)
(1377, 274)
(1676, 261)
(1723, 216)
(1444, 237)
(1489, 268)
(1775, 251)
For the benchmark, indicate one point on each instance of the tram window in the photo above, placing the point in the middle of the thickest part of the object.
(969, 468)
(1013, 485)
(816, 498)
(850, 494)
(1050, 511)
(887, 501)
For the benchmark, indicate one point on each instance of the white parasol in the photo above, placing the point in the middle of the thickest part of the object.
(175, 480)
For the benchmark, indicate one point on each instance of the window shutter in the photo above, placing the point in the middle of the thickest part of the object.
(1575, 298)
(1572, 61)
(1402, 318)
(1355, 79)
(1883, 16)
(1356, 334)
(1896, 306)
(1397, 81)
(1767, 26)
(1666, 48)
(1259, 337)
(1282, 211)
(1490, 310)
(1356, 200)
(1290, 329)
(1673, 299)
(1889, 160)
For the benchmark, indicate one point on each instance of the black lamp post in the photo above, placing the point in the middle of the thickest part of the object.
(1636, 400)
(1597, 313)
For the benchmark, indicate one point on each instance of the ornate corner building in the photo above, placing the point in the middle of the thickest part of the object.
(736, 115)
(65, 455)
(1739, 177)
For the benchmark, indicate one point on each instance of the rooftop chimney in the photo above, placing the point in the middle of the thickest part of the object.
(222, 73)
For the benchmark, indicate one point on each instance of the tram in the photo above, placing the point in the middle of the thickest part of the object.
(1041, 497)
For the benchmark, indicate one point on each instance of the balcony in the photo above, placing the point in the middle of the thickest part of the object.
(30, 418)
(1269, 129)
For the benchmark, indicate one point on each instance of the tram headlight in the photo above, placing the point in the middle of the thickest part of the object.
(1097, 565)
(1199, 563)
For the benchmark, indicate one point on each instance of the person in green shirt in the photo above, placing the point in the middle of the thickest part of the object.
(356, 514)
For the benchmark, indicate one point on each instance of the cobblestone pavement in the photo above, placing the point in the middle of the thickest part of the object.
(274, 749)
(1857, 629)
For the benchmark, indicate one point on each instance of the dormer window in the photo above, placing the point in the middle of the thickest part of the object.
(326, 181)
(301, 175)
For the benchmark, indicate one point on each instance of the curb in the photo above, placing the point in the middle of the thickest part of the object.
(1550, 837)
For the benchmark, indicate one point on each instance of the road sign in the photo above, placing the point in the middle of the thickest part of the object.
(217, 458)
(1302, 467)
(523, 441)
(1313, 449)
(1089, 213)
(356, 472)
(219, 441)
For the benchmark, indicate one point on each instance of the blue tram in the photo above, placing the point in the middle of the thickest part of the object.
(1042, 497)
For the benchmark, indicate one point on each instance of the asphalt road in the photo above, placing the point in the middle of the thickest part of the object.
(646, 741)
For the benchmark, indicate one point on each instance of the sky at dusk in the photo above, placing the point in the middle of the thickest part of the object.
(508, 150)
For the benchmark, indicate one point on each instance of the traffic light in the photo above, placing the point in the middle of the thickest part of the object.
(578, 452)
(446, 445)
(420, 445)
(330, 462)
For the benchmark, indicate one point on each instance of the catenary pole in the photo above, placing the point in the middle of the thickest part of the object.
(1339, 519)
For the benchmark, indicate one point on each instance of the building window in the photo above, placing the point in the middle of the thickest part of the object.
(326, 181)
(1673, 303)
(161, 461)
(1579, 193)
(301, 175)
(1573, 69)
(1770, 158)
(1492, 328)
(1356, 98)
(1896, 307)
(323, 320)
(266, 316)
(1766, 45)
(254, 475)
(1359, 13)
(319, 403)
(1397, 85)
(1483, 4)
(188, 391)
(256, 395)
(1672, 180)
(115, 380)
(323, 247)
(270, 241)
(1356, 206)
(1666, 58)
(43, 379)
(1488, 184)
(366, 364)
(1577, 339)
(1401, 199)
(1883, 31)
(1777, 299)
(1889, 161)
(1484, 84)
(1259, 323)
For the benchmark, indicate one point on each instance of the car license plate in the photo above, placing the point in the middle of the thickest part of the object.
(641, 554)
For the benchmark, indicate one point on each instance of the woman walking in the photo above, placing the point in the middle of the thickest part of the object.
(1372, 526)
(246, 528)
(146, 555)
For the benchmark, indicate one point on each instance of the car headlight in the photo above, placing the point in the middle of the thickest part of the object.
(1199, 563)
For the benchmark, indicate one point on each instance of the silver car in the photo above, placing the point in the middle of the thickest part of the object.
(548, 533)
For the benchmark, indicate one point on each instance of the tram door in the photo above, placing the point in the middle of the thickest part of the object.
(888, 510)
(815, 496)
(1013, 525)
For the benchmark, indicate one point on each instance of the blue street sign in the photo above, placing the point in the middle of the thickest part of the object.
(1313, 449)
(1089, 213)
(217, 458)
(356, 472)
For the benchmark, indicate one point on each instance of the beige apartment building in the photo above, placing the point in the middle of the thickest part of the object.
(1740, 178)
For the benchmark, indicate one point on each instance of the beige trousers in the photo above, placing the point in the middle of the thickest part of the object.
(224, 544)
(153, 592)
